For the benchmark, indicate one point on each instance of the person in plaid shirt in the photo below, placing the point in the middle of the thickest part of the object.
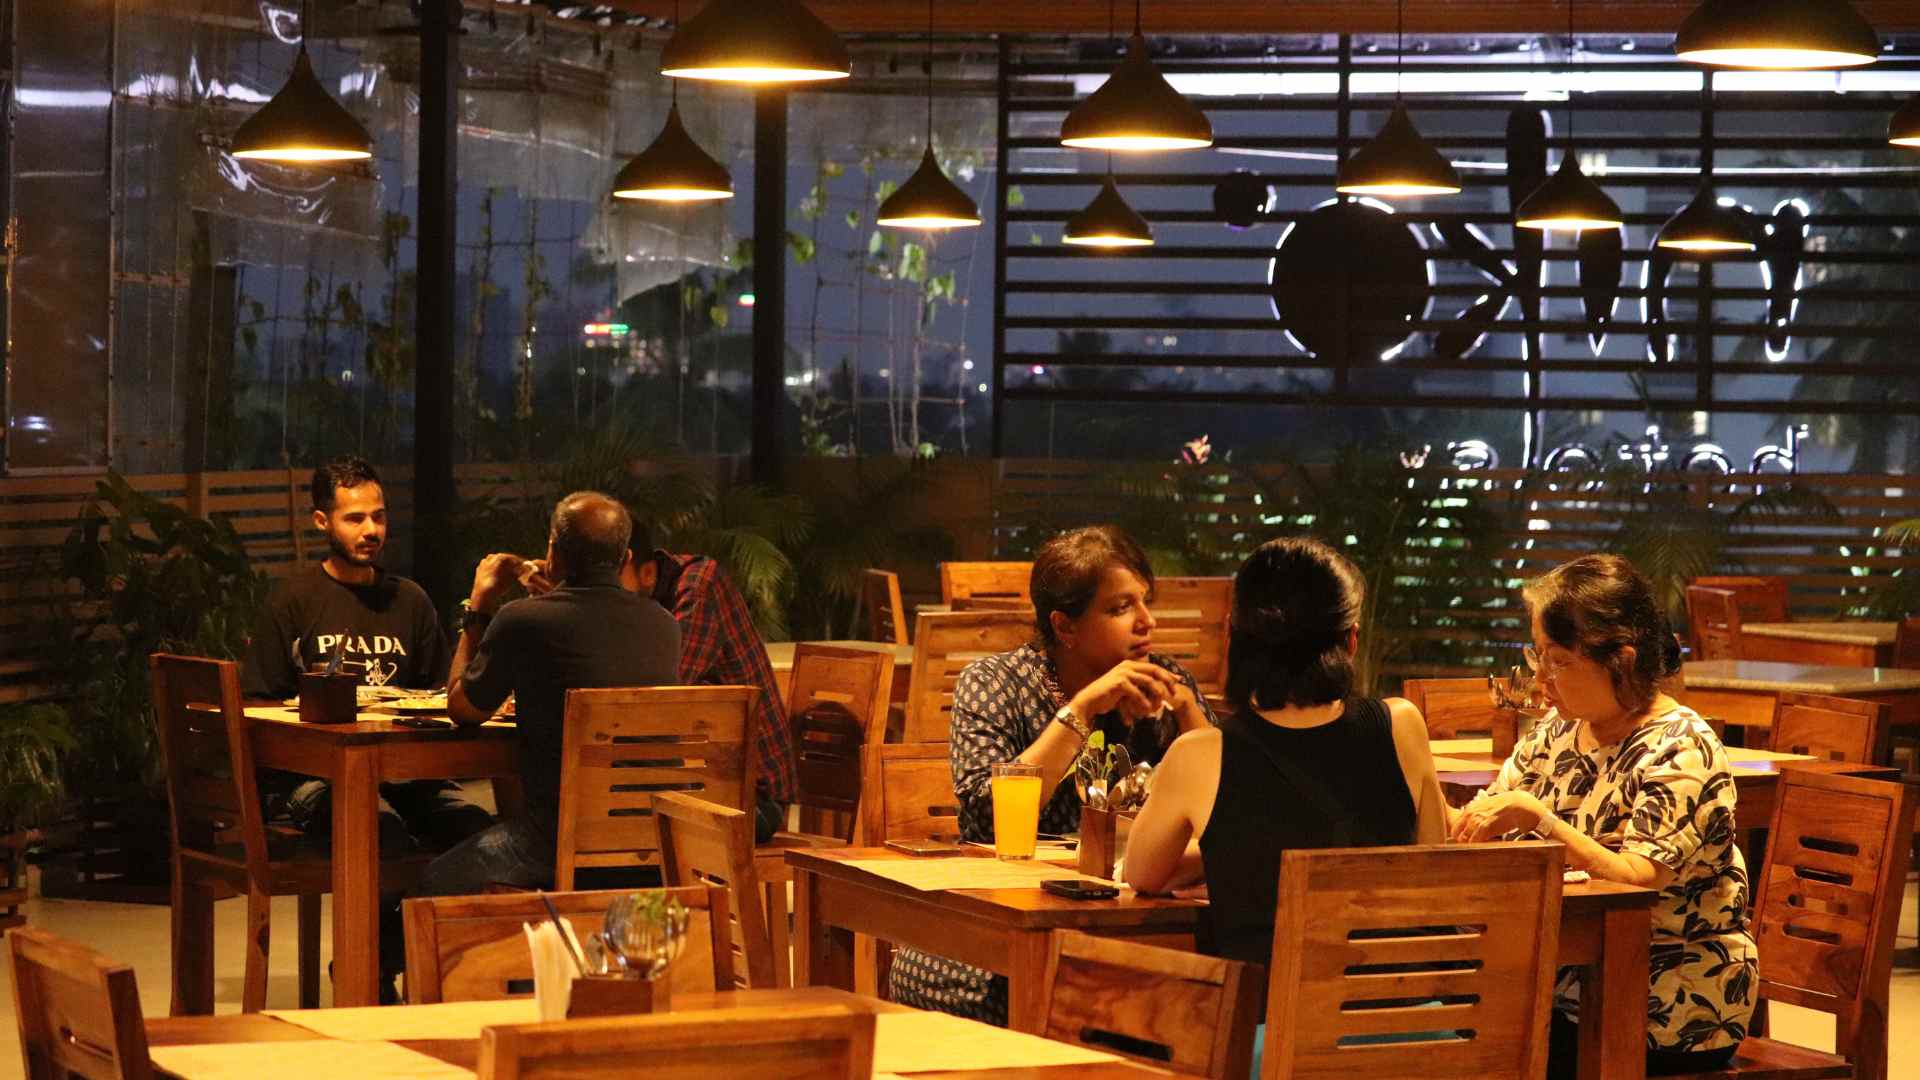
(720, 647)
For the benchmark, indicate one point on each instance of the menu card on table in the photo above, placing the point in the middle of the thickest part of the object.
(916, 1042)
(935, 875)
(388, 1023)
(290, 1061)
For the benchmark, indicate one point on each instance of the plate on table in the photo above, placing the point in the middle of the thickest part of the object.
(364, 696)
(418, 703)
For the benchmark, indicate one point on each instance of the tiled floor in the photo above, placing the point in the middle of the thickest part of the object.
(137, 934)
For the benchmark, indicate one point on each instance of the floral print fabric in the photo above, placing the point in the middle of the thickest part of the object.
(1666, 793)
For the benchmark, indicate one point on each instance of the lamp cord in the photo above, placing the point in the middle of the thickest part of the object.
(1570, 109)
(929, 76)
(1399, 49)
(674, 100)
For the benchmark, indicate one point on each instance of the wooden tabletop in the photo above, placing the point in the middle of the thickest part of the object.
(781, 652)
(464, 1053)
(1875, 634)
(372, 725)
(1765, 676)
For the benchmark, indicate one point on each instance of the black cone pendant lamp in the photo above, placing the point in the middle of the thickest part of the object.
(929, 200)
(302, 123)
(1397, 162)
(1569, 201)
(1777, 34)
(755, 41)
(1136, 109)
(1108, 222)
(1704, 229)
(673, 168)
(1905, 128)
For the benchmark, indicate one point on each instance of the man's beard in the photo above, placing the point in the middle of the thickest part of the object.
(351, 555)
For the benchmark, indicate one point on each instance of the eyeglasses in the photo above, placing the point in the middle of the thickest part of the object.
(1541, 665)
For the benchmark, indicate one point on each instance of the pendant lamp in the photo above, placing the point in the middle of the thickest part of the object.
(1397, 162)
(1108, 222)
(1905, 128)
(1136, 109)
(1777, 34)
(673, 168)
(929, 200)
(1569, 201)
(302, 123)
(1704, 229)
(755, 41)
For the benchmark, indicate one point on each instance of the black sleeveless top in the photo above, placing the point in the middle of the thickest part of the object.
(1331, 786)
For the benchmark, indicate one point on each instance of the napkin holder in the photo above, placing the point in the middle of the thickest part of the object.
(601, 995)
(328, 699)
(1098, 840)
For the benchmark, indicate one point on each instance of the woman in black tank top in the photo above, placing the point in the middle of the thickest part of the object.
(1302, 763)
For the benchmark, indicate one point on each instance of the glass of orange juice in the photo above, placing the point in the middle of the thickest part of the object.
(1016, 809)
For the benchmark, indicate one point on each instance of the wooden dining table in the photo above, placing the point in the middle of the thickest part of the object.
(1743, 692)
(1605, 930)
(1828, 644)
(464, 1053)
(355, 759)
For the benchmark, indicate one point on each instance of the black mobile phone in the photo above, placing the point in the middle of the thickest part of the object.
(1077, 889)
(426, 722)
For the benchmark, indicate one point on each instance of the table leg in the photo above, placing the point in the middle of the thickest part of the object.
(1613, 999)
(828, 948)
(1026, 982)
(356, 877)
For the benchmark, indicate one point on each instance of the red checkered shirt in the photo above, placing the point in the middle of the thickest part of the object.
(720, 647)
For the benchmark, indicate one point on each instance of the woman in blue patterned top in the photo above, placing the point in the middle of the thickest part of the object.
(1638, 788)
(1091, 668)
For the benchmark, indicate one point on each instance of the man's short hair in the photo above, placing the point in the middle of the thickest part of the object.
(640, 542)
(341, 472)
(590, 532)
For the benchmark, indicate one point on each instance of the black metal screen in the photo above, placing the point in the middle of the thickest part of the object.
(1318, 321)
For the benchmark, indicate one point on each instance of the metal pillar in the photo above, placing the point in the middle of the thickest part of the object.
(433, 493)
(769, 285)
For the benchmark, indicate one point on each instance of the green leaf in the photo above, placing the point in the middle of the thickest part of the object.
(1016, 198)
(717, 314)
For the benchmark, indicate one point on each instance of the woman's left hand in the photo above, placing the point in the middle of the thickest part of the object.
(1494, 816)
(1187, 712)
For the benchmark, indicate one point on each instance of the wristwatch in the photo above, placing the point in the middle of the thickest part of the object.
(1066, 715)
(472, 618)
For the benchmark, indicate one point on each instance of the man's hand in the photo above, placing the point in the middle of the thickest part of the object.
(491, 580)
(534, 577)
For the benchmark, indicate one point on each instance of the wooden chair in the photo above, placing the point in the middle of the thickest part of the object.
(1828, 903)
(623, 745)
(803, 1042)
(880, 601)
(1191, 616)
(1169, 1009)
(472, 948)
(1834, 728)
(1473, 927)
(838, 702)
(1760, 599)
(222, 847)
(965, 582)
(1906, 643)
(79, 1012)
(1455, 708)
(1713, 615)
(704, 844)
(943, 644)
(908, 794)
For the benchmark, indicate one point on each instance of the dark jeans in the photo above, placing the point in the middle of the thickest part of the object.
(1563, 1054)
(514, 852)
(415, 815)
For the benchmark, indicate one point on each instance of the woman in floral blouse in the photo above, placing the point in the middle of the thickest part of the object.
(1638, 789)
(1091, 668)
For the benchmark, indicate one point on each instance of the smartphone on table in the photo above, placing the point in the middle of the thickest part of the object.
(1080, 889)
(924, 848)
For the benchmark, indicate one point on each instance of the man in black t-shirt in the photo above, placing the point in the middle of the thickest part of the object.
(384, 628)
(587, 632)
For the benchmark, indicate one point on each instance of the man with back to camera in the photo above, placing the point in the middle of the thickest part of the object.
(384, 628)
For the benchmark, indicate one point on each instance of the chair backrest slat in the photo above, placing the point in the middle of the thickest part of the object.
(79, 1013)
(1424, 961)
(1833, 728)
(880, 600)
(838, 699)
(1162, 1007)
(803, 1042)
(472, 948)
(1760, 599)
(1191, 616)
(1714, 617)
(1829, 900)
(1455, 707)
(908, 794)
(206, 756)
(964, 581)
(943, 645)
(1906, 643)
(704, 844)
(624, 745)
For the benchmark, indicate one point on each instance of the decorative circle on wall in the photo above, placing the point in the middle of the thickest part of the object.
(1240, 198)
(1351, 263)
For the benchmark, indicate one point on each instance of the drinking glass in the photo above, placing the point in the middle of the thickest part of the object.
(1016, 809)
